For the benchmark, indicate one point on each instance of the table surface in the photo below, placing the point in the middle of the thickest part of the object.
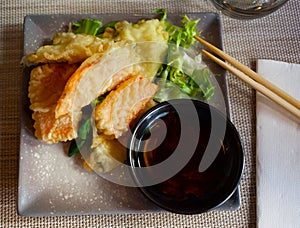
(276, 37)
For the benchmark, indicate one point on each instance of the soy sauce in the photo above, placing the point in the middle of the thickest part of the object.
(188, 187)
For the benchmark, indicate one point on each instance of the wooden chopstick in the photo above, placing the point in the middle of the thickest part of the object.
(252, 74)
(257, 86)
(253, 79)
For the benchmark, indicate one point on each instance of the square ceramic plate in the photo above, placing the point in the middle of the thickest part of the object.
(51, 183)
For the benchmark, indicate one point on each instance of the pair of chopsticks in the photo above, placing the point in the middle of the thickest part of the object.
(252, 78)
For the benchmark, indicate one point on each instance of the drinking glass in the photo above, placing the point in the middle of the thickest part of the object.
(247, 9)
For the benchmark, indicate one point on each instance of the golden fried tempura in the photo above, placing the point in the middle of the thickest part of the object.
(144, 30)
(120, 107)
(57, 94)
(69, 48)
(139, 49)
(106, 155)
(49, 129)
(95, 76)
(46, 85)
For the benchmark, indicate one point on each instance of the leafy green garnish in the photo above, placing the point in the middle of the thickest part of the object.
(83, 133)
(163, 12)
(175, 81)
(110, 24)
(183, 36)
(182, 75)
(92, 26)
(87, 26)
(84, 130)
(74, 148)
(97, 101)
(201, 77)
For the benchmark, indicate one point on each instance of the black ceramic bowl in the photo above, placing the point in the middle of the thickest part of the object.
(186, 156)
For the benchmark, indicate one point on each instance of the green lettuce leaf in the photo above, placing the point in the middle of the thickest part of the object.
(182, 75)
(88, 26)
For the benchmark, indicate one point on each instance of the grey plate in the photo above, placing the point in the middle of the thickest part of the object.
(51, 183)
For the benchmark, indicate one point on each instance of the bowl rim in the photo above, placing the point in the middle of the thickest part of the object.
(241, 161)
(254, 13)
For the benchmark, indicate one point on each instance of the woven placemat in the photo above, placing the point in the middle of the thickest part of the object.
(273, 37)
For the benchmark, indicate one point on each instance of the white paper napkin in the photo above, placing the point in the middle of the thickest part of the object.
(278, 151)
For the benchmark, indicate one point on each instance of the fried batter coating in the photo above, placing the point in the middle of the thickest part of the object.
(69, 48)
(144, 30)
(106, 61)
(49, 129)
(93, 78)
(57, 100)
(106, 155)
(102, 72)
(120, 107)
(46, 85)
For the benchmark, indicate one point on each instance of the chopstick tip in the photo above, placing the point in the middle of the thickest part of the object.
(198, 38)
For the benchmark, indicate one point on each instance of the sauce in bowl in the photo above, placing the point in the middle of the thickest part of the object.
(188, 190)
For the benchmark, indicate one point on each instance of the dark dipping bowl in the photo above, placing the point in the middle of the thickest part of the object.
(185, 156)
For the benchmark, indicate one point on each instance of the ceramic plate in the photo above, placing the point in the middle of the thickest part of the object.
(51, 183)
